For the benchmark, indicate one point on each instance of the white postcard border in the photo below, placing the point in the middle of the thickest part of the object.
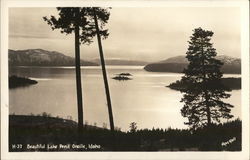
(244, 154)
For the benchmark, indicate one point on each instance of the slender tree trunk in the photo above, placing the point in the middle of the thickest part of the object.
(111, 121)
(78, 75)
(208, 109)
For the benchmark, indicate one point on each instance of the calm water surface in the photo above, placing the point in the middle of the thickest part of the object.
(144, 100)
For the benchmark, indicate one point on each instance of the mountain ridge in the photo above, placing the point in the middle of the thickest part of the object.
(178, 63)
(117, 61)
(41, 57)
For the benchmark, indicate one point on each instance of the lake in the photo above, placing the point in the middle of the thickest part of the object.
(144, 99)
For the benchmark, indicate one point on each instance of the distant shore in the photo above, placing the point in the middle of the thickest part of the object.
(15, 82)
(231, 83)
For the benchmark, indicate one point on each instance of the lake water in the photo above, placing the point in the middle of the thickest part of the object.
(144, 100)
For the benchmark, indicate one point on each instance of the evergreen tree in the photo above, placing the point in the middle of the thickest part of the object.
(133, 127)
(204, 89)
(81, 22)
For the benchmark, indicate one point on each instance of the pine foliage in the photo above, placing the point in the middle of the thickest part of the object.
(204, 90)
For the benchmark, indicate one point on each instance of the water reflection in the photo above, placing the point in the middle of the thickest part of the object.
(144, 100)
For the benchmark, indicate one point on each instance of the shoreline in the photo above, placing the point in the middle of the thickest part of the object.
(16, 82)
(230, 82)
(31, 133)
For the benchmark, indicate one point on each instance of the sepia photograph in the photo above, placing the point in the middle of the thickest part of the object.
(117, 78)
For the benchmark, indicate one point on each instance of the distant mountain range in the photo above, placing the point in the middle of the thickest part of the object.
(40, 57)
(121, 62)
(178, 63)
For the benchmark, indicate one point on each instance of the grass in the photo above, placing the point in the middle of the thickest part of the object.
(46, 130)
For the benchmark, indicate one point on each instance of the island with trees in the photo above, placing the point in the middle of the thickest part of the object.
(16, 81)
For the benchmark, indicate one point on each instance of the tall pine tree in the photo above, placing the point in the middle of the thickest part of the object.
(80, 21)
(204, 90)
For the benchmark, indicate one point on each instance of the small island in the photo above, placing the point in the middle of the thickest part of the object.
(123, 76)
(231, 83)
(15, 81)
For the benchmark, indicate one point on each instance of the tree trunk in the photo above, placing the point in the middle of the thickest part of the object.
(208, 110)
(78, 75)
(111, 121)
(205, 90)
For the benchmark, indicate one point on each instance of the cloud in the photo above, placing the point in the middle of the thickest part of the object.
(32, 36)
(135, 33)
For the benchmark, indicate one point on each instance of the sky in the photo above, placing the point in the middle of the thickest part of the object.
(147, 34)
